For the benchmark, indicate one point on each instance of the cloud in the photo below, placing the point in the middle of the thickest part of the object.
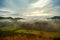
(5, 12)
(44, 8)
(32, 1)
(39, 4)
(36, 13)
(30, 8)
(16, 6)
(38, 8)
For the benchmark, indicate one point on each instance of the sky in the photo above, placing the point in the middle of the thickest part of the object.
(29, 8)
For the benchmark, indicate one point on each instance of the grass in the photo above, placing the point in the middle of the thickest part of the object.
(25, 34)
(51, 34)
(32, 30)
(54, 34)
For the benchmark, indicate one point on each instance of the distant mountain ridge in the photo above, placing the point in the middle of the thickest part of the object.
(55, 17)
(10, 18)
(8, 21)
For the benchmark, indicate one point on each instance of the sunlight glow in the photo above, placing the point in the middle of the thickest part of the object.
(39, 4)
